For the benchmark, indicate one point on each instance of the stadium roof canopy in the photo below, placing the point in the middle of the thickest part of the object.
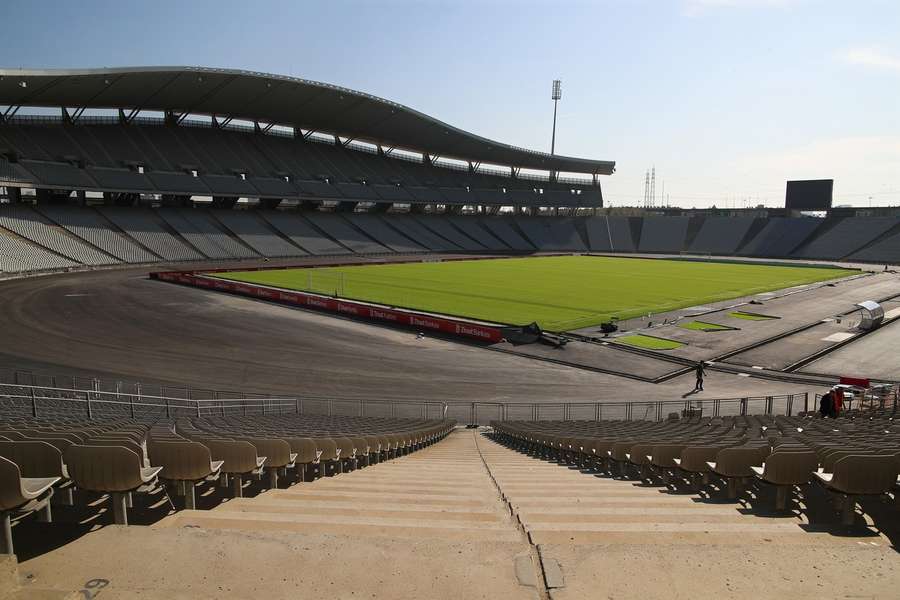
(278, 99)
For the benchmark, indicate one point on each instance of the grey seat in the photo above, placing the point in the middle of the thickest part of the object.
(185, 463)
(239, 459)
(860, 475)
(21, 494)
(113, 470)
(784, 469)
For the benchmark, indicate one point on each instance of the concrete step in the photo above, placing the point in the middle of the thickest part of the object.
(344, 525)
(363, 510)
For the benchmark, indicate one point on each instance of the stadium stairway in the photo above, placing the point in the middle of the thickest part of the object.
(471, 518)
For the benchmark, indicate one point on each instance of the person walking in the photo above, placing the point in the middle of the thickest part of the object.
(698, 387)
(826, 405)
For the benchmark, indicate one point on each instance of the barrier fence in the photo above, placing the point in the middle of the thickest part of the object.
(44, 401)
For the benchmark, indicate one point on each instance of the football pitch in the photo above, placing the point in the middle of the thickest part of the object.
(559, 292)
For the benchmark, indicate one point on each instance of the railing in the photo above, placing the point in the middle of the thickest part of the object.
(94, 403)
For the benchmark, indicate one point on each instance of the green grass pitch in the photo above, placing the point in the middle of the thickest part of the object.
(559, 292)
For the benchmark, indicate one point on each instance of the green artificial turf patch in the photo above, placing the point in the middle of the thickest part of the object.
(704, 326)
(749, 316)
(648, 342)
(559, 292)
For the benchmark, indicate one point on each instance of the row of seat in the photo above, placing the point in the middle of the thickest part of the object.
(50, 458)
(849, 457)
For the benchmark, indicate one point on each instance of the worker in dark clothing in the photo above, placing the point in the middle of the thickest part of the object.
(700, 372)
(826, 405)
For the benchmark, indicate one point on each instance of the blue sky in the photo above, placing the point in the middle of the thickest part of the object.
(727, 98)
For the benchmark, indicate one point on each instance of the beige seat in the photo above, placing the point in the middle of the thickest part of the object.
(860, 475)
(239, 459)
(308, 456)
(279, 457)
(185, 463)
(784, 469)
(735, 465)
(330, 461)
(113, 470)
(21, 494)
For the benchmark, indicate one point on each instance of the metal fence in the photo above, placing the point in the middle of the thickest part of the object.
(96, 403)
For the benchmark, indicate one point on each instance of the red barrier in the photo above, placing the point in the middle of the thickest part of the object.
(857, 381)
(457, 327)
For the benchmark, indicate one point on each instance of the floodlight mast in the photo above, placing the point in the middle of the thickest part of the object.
(556, 95)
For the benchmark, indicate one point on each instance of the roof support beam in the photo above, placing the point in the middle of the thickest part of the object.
(10, 112)
(125, 119)
(72, 117)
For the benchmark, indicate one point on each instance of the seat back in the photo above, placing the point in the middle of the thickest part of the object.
(348, 448)
(664, 455)
(790, 467)
(180, 460)
(328, 448)
(239, 456)
(10, 485)
(865, 474)
(104, 468)
(276, 451)
(34, 458)
(736, 462)
(305, 449)
(694, 458)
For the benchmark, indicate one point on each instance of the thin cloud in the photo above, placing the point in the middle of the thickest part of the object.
(870, 58)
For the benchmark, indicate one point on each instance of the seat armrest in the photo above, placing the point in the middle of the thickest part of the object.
(711, 465)
(149, 473)
(216, 466)
(758, 470)
(677, 461)
(260, 461)
(35, 486)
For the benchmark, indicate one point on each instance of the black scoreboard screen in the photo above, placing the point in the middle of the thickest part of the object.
(813, 194)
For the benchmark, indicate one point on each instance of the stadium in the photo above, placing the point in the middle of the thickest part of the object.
(263, 325)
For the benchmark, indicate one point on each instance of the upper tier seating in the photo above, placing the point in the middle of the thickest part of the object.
(230, 162)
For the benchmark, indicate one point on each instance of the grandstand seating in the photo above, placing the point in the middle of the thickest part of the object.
(847, 236)
(195, 158)
(414, 230)
(852, 457)
(381, 232)
(123, 457)
(559, 235)
(27, 223)
(90, 226)
(505, 231)
(663, 234)
(255, 233)
(147, 229)
(445, 229)
(346, 234)
(609, 234)
(299, 231)
(781, 236)
(721, 235)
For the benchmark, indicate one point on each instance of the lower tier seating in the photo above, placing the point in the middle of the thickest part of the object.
(76, 460)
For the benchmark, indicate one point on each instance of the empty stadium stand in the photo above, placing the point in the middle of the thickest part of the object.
(609, 234)
(845, 237)
(721, 235)
(663, 234)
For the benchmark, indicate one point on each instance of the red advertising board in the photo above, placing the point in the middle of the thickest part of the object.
(456, 327)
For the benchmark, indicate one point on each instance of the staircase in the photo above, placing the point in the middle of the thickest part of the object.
(470, 518)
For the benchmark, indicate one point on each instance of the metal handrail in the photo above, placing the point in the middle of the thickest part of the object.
(472, 412)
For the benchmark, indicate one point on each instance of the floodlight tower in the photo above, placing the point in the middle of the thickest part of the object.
(556, 95)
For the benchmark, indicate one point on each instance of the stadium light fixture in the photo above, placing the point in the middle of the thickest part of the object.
(555, 95)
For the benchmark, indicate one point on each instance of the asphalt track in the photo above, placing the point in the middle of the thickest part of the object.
(120, 324)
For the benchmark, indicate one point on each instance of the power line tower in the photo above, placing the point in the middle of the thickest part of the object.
(653, 187)
(646, 202)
